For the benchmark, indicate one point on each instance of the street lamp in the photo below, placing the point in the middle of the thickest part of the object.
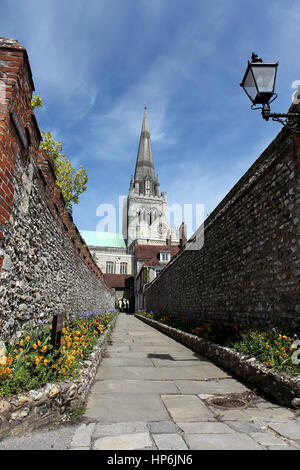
(259, 84)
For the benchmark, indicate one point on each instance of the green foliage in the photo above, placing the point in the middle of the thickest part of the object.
(71, 182)
(75, 414)
(36, 102)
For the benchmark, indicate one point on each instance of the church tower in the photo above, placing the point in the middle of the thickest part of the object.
(146, 205)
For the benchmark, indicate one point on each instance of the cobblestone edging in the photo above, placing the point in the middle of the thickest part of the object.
(282, 388)
(34, 409)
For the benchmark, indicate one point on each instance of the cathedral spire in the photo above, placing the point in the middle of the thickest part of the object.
(144, 162)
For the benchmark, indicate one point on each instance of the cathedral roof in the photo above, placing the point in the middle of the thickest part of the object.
(144, 162)
(93, 238)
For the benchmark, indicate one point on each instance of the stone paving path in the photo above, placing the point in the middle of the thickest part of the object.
(150, 393)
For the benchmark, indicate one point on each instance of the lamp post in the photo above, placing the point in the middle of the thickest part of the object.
(259, 84)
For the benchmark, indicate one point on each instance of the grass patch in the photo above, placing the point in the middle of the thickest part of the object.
(75, 414)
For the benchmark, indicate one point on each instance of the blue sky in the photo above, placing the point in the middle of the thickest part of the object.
(96, 62)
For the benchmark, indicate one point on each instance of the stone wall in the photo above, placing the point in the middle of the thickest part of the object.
(45, 265)
(248, 268)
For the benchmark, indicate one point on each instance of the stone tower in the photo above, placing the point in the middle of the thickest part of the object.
(146, 205)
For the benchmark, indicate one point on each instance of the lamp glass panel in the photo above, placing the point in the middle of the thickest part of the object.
(265, 78)
(249, 85)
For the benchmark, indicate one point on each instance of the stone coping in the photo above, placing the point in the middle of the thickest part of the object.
(34, 409)
(280, 387)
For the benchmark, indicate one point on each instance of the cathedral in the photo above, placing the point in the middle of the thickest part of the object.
(148, 242)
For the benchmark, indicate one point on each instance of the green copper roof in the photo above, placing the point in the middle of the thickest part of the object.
(92, 238)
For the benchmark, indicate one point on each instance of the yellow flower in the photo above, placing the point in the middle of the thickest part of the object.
(34, 346)
(46, 362)
(39, 343)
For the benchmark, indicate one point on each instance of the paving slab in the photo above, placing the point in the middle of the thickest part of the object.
(119, 349)
(135, 441)
(162, 427)
(128, 361)
(169, 442)
(243, 426)
(205, 427)
(212, 387)
(186, 408)
(83, 436)
(135, 386)
(117, 429)
(290, 430)
(267, 439)
(120, 407)
(221, 442)
(265, 413)
(230, 415)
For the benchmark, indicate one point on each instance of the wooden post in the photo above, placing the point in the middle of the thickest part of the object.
(57, 325)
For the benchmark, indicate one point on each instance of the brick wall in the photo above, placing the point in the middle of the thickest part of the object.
(248, 268)
(45, 265)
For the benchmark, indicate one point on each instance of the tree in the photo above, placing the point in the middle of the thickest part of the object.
(71, 182)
